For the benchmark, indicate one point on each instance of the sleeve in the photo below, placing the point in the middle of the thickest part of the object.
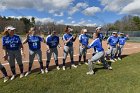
(64, 38)
(19, 40)
(92, 44)
(80, 38)
(108, 40)
(58, 40)
(47, 40)
(40, 39)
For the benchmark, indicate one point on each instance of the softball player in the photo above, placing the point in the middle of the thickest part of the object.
(83, 40)
(122, 41)
(100, 35)
(98, 55)
(52, 42)
(12, 50)
(68, 39)
(34, 42)
(112, 42)
(3, 70)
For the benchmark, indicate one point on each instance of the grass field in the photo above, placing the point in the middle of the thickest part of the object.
(124, 78)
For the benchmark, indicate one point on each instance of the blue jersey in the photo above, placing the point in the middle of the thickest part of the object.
(122, 40)
(52, 41)
(100, 36)
(97, 45)
(34, 42)
(83, 38)
(113, 41)
(11, 43)
(66, 37)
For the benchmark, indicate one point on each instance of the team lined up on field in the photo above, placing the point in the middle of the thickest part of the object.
(13, 49)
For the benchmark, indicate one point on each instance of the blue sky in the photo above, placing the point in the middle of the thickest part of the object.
(74, 12)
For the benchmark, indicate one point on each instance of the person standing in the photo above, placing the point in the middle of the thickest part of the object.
(13, 49)
(83, 40)
(112, 42)
(68, 40)
(122, 41)
(52, 42)
(34, 43)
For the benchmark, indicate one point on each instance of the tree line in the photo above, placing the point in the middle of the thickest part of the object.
(127, 23)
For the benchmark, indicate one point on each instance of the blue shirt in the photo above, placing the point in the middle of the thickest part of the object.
(34, 42)
(52, 41)
(66, 37)
(97, 45)
(83, 38)
(122, 40)
(113, 41)
(11, 43)
(100, 36)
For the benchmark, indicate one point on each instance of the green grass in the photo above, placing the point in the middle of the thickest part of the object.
(124, 78)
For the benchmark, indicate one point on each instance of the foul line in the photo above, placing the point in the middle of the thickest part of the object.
(60, 57)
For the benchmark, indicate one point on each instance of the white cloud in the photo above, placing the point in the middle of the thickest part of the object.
(69, 18)
(59, 14)
(132, 8)
(72, 22)
(50, 6)
(60, 22)
(78, 7)
(91, 10)
(122, 6)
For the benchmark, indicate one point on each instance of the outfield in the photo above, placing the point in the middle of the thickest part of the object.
(124, 78)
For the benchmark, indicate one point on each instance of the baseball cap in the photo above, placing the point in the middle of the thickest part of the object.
(98, 28)
(10, 28)
(114, 32)
(121, 33)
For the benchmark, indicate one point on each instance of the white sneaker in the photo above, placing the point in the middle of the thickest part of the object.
(119, 58)
(86, 63)
(46, 70)
(79, 64)
(6, 79)
(21, 75)
(13, 77)
(58, 68)
(74, 66)
(110, 68)
(27, 73)
(112, 60)
(64, 68)
(42, 71)
(115, 59)
(90, 73)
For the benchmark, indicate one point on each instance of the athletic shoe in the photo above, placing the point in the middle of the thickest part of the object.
(74, 66)
(86, 63)
(110, 68)
(119, 58)
(21, 75)
(6, 79)
(13, 77)
(58, 68)
(42, 71)
(27, 73)
(90, 72)
(115, 59)
(112, 60)
(46, 70)
(64, 68)
(79, 64)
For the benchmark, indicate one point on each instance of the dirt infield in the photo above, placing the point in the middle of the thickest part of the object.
(129, 48)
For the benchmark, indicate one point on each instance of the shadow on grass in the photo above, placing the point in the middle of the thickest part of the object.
(51, 68)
